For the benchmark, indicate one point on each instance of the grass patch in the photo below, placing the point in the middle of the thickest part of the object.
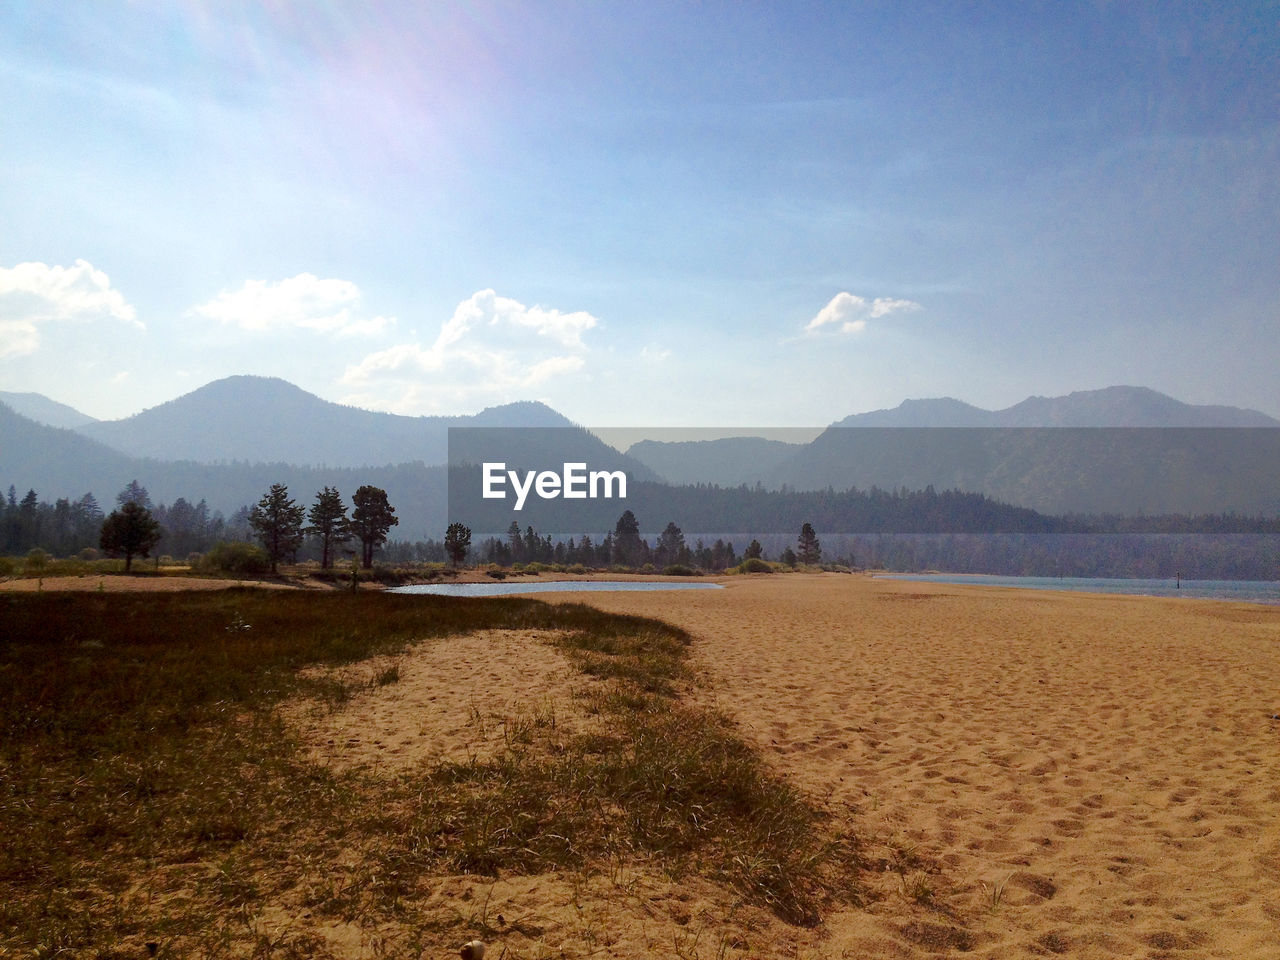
(149, 791)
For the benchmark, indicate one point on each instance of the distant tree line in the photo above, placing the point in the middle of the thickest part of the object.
(623, 546)
(760, 510)
(136, 527)
(1222, 546)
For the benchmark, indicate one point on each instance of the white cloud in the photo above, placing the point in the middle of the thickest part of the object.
(492, 350)
(35, 294)
(849, 313)
(303, 302)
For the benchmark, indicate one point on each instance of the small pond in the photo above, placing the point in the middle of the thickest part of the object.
(548, 586)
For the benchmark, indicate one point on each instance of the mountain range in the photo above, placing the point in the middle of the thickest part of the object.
(268, 420)
(1108, 407)
(230, 439)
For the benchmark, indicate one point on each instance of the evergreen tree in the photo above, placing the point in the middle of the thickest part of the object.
(670, 547)
(457, 541)
(371, 519)
(130, 530)
(134, 493)
(754, 551)
(329, 524)
(628, 548)
(809, 550)
(277, 521)
(789, 557)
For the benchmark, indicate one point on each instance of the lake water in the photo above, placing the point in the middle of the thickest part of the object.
(504, 589)
(1249, 591)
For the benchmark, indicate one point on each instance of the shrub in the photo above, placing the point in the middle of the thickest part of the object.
(497, 574)
(678, 570)
(89, 554)
(36, 561)
(237, 558)
(754, 565)
(648, 568)
(7, 566)
(577, 568)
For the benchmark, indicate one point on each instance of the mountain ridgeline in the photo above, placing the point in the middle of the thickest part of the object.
(1122, 451)
(267, 420)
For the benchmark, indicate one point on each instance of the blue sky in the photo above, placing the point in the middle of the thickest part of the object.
(658, 213)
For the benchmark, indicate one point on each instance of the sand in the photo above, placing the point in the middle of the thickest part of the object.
(123, 583)
(1035, 773)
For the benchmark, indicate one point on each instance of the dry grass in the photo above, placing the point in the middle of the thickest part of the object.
(150, 792)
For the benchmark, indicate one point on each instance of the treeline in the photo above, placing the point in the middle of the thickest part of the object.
(187, 531)
(625, 547)
(68, 527)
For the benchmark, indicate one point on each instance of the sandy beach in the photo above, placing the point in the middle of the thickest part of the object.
(1034, 773)
(1030, 773)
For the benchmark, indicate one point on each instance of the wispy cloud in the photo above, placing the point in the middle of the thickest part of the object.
(493, 349)
(35, 294)
(304, 302)
(849, 313)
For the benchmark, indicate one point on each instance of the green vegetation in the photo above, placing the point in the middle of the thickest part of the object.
(371, 520)
(130, 531)
(234, 558)
(277, 522)
(457, 541)
(151, 792)
(328, 524)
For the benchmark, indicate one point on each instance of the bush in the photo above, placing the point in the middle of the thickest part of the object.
(648, 568)
(678, 570)
(497, 574)
(754, 565)
(7, 566)
(37, 560)
(237, 558)
(577, 568)
(89, 554)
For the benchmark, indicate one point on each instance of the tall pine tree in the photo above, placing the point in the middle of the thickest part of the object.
(329, 524)
(277, 521)
(371, 520)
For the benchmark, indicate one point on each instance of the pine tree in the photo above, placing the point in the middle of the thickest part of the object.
(371, 520)
(130, 530)
(627, 545)
(277, 521)
(670, 547)
(809, 550)
(328, 518)
(457, 541)
(134, 493)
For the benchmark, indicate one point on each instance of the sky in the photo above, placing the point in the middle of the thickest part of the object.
(681, 214)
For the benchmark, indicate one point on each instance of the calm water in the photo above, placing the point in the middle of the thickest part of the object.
(1250, 591)
(563, 586)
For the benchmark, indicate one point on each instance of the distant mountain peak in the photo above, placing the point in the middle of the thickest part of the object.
(269, 420)
(1116, 406)
(41, 409)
